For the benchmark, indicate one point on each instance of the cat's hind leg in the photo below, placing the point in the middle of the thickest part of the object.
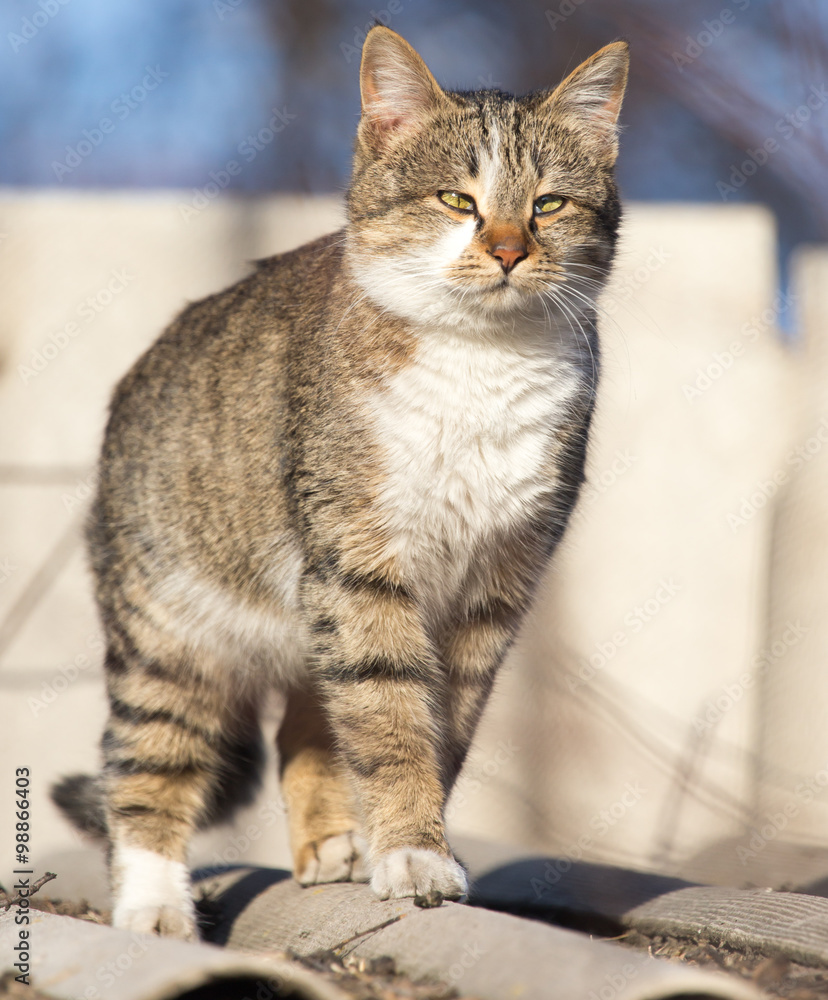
(325, 836)
(177, 749)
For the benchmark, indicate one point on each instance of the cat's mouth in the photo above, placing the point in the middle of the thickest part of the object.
(501, 285)
(498, 291)
(501, 294)
(496, 284)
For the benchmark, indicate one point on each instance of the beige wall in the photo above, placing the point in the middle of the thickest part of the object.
(635, 692)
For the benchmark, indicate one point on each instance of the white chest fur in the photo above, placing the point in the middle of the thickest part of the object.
(465, 432)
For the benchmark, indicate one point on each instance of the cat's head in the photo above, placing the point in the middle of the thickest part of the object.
(471, 206)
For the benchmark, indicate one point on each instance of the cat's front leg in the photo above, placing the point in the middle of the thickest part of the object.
(495, 598)
(473, 651)
(384, 692)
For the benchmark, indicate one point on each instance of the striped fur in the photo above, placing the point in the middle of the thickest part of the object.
(341, 479)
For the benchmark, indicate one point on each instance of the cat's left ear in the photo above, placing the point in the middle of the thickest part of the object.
(593, 92)
(397, 88)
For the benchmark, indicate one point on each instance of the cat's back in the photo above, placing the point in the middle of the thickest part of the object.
(219, 368)
(240, 329)
(194, 450)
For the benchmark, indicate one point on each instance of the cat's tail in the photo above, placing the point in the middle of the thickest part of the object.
(80, 797)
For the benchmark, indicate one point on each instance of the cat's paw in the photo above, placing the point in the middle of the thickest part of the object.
(336, 859)
(168, 921)
(412, 871)
(153, 894)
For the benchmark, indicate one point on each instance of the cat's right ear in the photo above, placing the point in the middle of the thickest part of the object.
(397, 88)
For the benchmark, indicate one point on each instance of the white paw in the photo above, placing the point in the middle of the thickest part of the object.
(412, 871)
(338, 859)
(168, 921)
(152, 894)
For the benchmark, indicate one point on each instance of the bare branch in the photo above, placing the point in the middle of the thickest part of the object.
(19, 897)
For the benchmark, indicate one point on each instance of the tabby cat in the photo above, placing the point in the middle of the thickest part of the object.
(341, 478)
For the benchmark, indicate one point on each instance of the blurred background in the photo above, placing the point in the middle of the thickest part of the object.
(667, 707)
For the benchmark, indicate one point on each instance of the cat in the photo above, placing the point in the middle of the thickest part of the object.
(341, 479)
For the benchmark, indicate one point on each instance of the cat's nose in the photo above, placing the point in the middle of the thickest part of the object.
(509, 253)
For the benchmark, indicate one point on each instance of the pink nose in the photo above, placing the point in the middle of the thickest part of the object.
(509, 253)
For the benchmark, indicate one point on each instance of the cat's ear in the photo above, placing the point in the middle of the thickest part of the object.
(397, 88)
(593, 92)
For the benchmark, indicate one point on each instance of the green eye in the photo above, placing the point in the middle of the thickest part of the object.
(548, 203)
(462, 202)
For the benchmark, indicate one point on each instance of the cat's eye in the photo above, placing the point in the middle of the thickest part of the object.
(548, 203)
(462, 202)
